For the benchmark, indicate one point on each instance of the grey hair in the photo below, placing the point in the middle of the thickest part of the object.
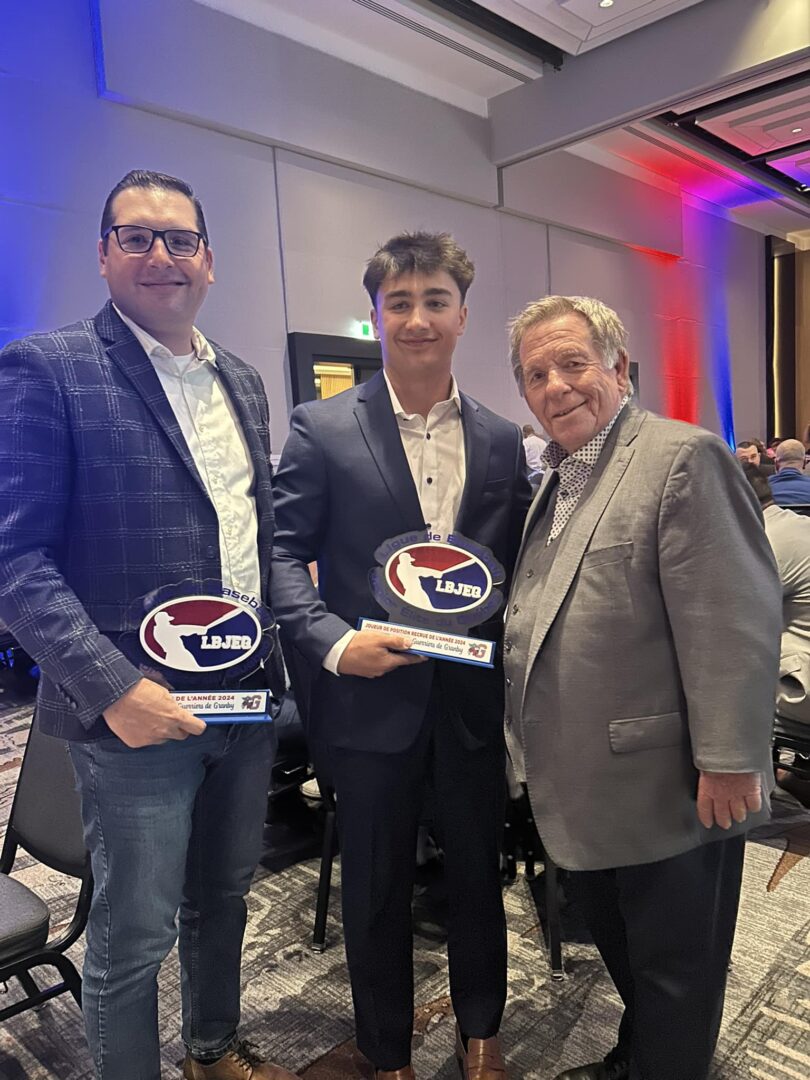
(607, 330)
(790, 450)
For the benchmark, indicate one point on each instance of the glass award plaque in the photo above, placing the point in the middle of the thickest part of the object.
(434, 591)
(199, 642)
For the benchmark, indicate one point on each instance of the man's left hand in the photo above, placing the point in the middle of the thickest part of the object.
(726, 797)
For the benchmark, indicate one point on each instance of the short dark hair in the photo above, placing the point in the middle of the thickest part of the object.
(419, 253)
(144, 178)
(744, 445)
(759, 482)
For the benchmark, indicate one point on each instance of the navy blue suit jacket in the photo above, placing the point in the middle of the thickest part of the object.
(343, 486)
(101, 503)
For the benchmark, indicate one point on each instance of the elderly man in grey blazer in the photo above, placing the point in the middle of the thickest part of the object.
(644, 576)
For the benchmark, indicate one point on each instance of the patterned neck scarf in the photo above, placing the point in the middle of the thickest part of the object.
(574, 471)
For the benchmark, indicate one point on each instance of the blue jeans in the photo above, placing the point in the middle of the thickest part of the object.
(170, 828)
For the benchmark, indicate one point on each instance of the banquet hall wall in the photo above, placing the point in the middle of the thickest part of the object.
(305, 164)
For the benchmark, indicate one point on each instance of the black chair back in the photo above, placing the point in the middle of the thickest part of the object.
(46, 813)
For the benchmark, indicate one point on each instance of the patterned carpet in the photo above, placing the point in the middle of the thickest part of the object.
(297, 1004)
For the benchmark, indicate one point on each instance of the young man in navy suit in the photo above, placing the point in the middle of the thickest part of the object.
(404, 452)
(133, 458)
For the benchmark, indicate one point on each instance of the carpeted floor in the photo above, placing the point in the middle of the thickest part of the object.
(297, 1004)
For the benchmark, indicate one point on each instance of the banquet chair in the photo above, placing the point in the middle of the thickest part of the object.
(45, 822)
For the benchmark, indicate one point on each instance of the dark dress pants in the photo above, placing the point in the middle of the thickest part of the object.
(665, 931)
(379, 802)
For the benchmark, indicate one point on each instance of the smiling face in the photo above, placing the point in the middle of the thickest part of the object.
(567, 386)
(418, 319)
(158, 291)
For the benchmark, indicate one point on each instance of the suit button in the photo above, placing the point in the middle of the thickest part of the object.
(507, 646)
(508, 681)
(515, 609)
(530, 573)
(508, 720)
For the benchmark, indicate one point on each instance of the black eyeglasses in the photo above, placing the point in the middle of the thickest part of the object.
(137, 240)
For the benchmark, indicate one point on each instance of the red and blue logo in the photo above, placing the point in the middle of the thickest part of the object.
(200, 633)
(438, 577)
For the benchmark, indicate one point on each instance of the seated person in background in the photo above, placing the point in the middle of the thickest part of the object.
(789, 535)
(749, 450)
(790, 486)
(534, 446)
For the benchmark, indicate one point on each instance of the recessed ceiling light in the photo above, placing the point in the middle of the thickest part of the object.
(605, 3)
(795, 131)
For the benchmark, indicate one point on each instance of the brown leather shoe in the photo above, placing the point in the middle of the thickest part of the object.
(398, 1074)
(482, 1060)
(240, 1063)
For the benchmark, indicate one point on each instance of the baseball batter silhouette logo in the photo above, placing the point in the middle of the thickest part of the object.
(438, 577)
(200, 633)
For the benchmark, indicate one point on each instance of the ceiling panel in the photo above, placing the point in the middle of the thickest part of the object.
(579, 25)
(764, 125)
(795, 165)
(645, 152)
(398, 39)
(764, 132)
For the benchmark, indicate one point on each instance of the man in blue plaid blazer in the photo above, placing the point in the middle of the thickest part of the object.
(134, 456)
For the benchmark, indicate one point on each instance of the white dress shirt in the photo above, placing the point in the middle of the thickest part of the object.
(436, 457)
(214, 437)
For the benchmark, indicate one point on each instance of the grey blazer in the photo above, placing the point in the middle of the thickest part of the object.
(654, 649)
(789, 535)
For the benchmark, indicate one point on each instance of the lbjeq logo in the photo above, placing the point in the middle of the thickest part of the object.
(448, 585)
(432, 590)
(438, 577)
(201, 633)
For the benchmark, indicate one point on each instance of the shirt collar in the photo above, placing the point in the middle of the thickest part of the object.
(396, 405)
(554, 454)
(156, 351)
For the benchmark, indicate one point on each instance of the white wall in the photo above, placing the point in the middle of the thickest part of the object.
(296, 263)
(246, 80)
(570, 190)
(64, 148)
(332, 220)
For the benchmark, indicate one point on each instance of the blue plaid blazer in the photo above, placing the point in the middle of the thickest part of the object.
(101, 503)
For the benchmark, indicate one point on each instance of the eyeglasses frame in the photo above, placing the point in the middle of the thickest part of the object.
(156, 233)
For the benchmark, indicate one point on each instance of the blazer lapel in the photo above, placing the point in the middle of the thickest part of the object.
(476, 452)
(126, 353)
(381, 433)
(573, 541)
